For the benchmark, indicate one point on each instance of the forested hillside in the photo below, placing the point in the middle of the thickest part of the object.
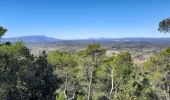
(87, 74)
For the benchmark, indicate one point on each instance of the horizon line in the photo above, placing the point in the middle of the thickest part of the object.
(95, 38)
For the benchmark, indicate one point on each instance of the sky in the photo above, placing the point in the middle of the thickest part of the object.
(81, 19)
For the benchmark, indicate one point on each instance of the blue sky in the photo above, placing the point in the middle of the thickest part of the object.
(79, 19)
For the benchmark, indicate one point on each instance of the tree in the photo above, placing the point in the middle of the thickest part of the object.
(44, 82)
(65, 65)
(2, 31)
(90, 60)
(25, 77)
(116, 78)
(121, 70)
(164, 25)
(159, 69)
(13, 59)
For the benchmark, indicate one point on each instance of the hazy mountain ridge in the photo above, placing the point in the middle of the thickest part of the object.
(41, 38)
(36, 38)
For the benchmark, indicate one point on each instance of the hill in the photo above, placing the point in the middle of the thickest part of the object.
(36, 38)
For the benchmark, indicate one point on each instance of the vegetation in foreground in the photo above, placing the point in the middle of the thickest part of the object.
(85, 75)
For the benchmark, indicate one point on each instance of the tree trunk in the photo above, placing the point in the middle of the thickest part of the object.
(115, 95)
(168, 92)
(72, 98)
(166, 95)
(65, 87)
(112, 87)
(166, 86)
(90, 82)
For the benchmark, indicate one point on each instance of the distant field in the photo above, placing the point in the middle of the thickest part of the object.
(140, 49)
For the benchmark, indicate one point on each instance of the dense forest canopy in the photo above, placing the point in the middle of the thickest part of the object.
(86, 74)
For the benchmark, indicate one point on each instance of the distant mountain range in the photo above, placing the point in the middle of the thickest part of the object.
(36, 38)
(40, 38)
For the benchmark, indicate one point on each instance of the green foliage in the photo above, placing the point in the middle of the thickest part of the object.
(158, 68)
(89, 64)
(87, 74)
(164, 25)
(16, 50)
(123, 65)
(139, 87)
(23, 76)
(65, 65)
(79, 97)
(84, 75)
(61, 59)
(2, 31)
(60, 96)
